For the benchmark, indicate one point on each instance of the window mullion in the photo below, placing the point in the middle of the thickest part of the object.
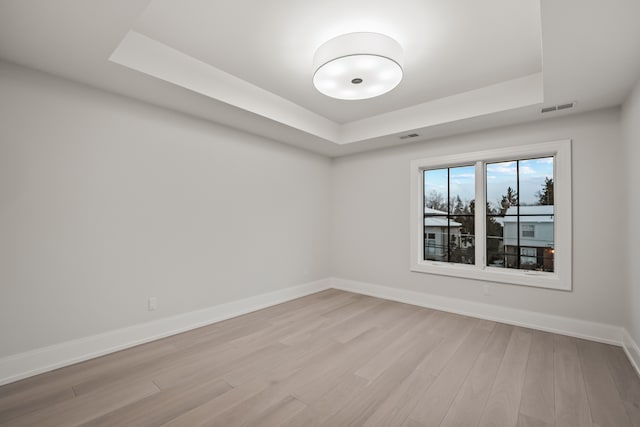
(421, 201)
(518, 250)
(480, 215)
(448, 214)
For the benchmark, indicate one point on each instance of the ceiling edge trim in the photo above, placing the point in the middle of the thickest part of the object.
(513, 94)
(146, 55)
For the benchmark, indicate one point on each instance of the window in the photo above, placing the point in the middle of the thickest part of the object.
(522, 233)
(529, 230)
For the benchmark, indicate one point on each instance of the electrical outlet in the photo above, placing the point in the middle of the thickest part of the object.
(152, 304)
(486, 290)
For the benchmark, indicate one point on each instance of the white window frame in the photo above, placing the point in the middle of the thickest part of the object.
(561, 278)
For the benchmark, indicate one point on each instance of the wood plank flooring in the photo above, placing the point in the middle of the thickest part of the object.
(340, 359)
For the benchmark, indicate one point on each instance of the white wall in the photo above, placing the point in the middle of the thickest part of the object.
(631, 137)
(105, 201)
(370, 220)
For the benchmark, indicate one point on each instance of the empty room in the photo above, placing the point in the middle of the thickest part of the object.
(331, 213)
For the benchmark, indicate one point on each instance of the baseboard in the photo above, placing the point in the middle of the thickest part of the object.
(23, 365)
(593, 331)
(632, 349)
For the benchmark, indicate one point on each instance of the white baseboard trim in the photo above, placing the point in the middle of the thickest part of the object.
(27, 364)
(632, 349)
(593, 331)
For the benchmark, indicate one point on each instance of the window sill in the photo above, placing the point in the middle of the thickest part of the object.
(536, 279)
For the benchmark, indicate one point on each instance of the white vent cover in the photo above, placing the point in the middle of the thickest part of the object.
(557, 107)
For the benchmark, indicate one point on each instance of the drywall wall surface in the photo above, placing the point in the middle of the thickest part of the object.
(106, 201)
(631, 138)
(370, 220)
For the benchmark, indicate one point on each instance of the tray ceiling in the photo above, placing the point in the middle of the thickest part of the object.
(468, 65)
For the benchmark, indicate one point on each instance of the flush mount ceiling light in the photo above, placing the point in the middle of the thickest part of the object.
(357, 66)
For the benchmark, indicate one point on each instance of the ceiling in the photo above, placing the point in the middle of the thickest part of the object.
(468, 65)
(273, 47)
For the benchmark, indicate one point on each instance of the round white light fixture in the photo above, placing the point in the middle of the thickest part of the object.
(357, 66)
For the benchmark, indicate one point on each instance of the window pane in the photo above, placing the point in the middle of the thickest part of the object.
(502, 187)
(463, 239)
(542, 240)
(436, 189)
(536, 181)
(462, 188)
(496, 256)
(536, 234)
(435, 245)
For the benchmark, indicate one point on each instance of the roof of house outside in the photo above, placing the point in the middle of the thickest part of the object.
(435, 221)
(545, 210)
(434, 211)
(439, 222)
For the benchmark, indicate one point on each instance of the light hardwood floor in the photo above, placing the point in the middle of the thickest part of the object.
(337, 359)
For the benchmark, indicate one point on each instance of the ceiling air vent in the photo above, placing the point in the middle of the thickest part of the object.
(565, 106)
(557, 107)
(410, 135)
